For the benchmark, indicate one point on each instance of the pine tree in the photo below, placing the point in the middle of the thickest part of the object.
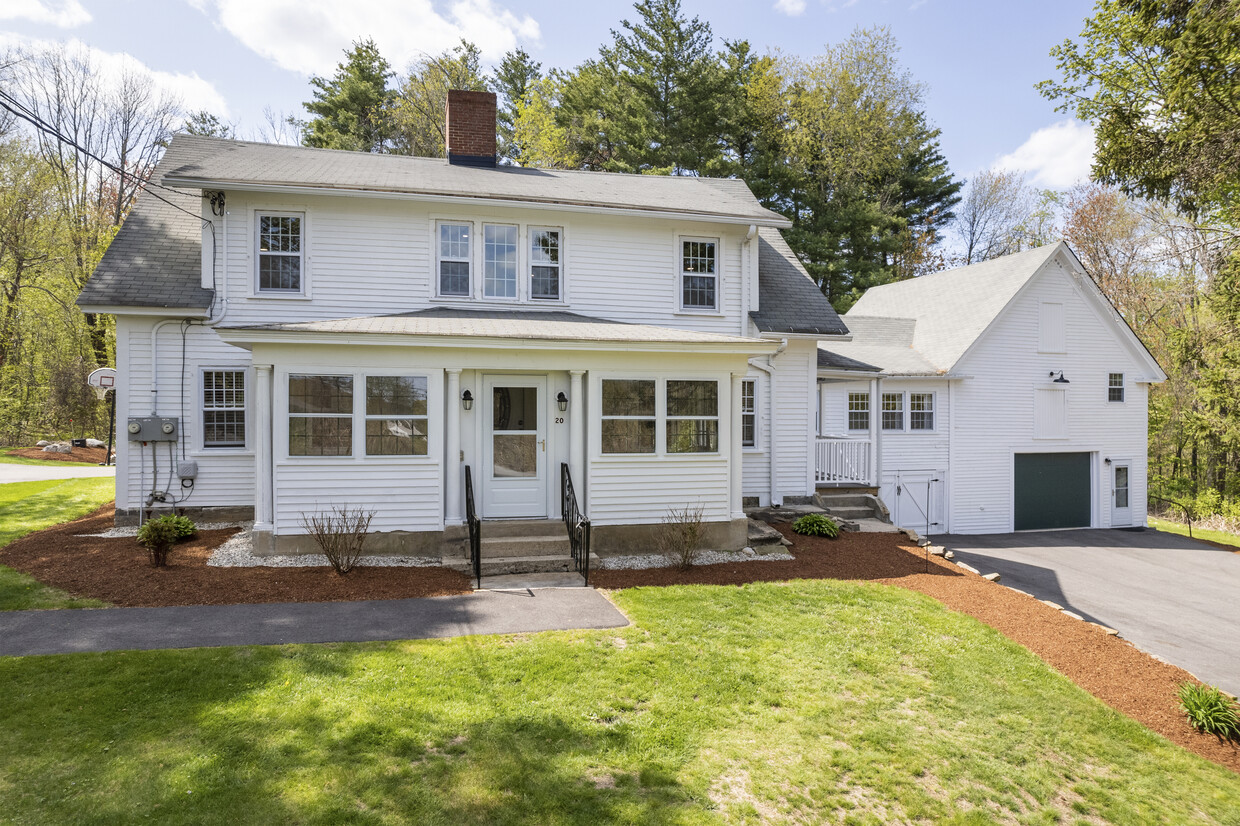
(513, 79)
(352, 109)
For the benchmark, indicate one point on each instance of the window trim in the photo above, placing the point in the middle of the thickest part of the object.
(750, 395)
(883, 411)
(655, 417)
(365, 416)
(933, 411)
(199, 442)
(668, 418)
(351, 416)
(437, 278)
(258, 213)
(678, 268)
(1122, 387)
(481, 255)
(724, 414)
(528, 263)
(848, 412)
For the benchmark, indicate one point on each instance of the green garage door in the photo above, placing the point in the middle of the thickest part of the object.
(1052, 491)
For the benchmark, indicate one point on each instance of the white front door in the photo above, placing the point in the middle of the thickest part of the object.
(1121, 500)
(514, 447)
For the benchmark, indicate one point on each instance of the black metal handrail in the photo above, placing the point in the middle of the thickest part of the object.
(475, 528)
(578, 525)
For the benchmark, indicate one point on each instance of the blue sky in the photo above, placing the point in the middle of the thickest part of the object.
(979, 58)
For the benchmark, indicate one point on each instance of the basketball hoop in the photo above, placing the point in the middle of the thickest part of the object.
(102, 380)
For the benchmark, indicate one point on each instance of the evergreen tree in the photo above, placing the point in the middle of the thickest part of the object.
(207, 125)
(419, 112)
(512, 83)
(352, 109)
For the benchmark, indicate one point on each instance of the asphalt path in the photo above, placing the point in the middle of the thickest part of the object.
(1169, 595)
(53, 470)
(523, 610)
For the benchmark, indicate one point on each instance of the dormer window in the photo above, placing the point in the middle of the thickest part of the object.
(454, 258)
(699, 277)
(545, 264)
(280, 252)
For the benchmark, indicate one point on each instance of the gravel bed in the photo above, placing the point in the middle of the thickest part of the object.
(238, 552)
(644, 562)
(132, 530)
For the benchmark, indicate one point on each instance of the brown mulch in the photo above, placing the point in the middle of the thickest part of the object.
(79, 454)
(117, 571)
(1113, 670)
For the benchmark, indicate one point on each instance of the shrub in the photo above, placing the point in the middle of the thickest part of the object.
(1210, 711)
(816, 524)
(184, 525)
(681, 536)
(340, 535)
(159, 535)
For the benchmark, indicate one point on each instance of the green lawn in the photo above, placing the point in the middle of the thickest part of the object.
(31, 506)
(7, 458)
(800, 702)
(1198, 533)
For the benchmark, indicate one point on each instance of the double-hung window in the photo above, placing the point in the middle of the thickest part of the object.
(281, 253)
(545, 265)
(858, 411)
(320, 415)
(223, 408)
(921, 411)
(454, 259)
(749, 413)
(699, 275)
(499, 261)
(692, 416)
(1115, 387)
(893, 411)
(628, 416)
(396, 417)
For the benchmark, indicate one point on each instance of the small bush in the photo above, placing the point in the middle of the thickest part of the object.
(340, 535)
(816, 524)
(184, 525)
(681, 537)
(159, 535)
(1210, 711)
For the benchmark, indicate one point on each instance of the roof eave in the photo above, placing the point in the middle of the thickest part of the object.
(770, 219)
(145, 310)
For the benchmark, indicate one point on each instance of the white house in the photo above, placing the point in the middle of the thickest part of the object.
(299, 329)
(1007, 395)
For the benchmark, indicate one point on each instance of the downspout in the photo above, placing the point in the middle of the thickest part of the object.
(747, 274)
(769, 369)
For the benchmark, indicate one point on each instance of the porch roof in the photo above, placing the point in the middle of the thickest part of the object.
(446, 326)
(879, 345)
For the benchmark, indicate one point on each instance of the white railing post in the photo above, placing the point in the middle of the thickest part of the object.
(842, 460)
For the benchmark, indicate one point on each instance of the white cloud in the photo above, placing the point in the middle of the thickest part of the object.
(65, 14)
(1056, 156)
(194, 92)
(310, 36)
(792, 8)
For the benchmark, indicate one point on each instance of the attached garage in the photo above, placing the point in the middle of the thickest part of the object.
(1052, 491)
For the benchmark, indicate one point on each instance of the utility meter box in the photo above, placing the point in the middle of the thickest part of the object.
(153, 429)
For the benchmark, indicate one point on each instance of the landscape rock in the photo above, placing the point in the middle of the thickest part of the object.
(58, 449)
(42, 443)
(95, 443)
(991, 577)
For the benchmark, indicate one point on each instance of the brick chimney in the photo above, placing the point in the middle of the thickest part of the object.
(471, 128)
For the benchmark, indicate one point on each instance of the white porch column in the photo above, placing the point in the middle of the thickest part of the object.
(822, 408)
(736, 455)
(452, 449)
(876, 412)
(263, 494)
(577, 430)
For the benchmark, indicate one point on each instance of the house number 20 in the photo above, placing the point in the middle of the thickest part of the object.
(559, 420)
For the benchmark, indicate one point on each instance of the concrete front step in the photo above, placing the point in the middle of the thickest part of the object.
(847, 500)
(515, 528)
(552, 545)
(850, 513)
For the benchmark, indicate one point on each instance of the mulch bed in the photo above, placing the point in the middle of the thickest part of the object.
(79, 454)
(1113, 670)
(117, 571)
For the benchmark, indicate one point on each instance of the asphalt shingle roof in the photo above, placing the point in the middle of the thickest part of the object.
(155, 260)
(788, 299)
(886, 343)
(222, 162)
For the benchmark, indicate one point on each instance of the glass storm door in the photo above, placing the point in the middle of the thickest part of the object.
(514, 450)
(1121, 504)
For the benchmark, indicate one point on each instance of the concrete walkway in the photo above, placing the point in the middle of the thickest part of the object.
(53, 470)
(24, 633)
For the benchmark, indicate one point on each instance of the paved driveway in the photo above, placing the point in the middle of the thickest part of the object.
(53, 470)
(1169, 595)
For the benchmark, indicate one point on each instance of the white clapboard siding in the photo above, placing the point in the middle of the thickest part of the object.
(795, 399)
(756, 461)
(994, 413)
(916, 449)
(405, 496)
(224, 477)
(640, 490)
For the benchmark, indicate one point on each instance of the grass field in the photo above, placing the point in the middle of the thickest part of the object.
(31, 506)
(1198, 533)
(800, 702)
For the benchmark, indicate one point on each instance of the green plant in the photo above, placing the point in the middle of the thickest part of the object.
(816, 524)
(159, 535)
(340, 535)
(1210, 711)
(680, 538)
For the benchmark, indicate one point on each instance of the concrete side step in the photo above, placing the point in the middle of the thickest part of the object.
(557, 545)
(842, 500)
(850, 513)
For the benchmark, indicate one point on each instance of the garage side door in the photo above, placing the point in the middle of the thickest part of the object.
(1052, 491)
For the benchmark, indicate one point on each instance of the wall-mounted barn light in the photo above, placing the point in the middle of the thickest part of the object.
(1061, 379)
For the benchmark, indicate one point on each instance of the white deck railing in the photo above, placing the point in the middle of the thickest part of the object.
(842, 461)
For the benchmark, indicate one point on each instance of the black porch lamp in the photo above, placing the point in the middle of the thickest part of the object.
(1061, 379)
(561, 401)
(467, 400)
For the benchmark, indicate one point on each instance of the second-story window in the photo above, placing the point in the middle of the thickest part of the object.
(499, 261)
(698, 274)
(545, 264)
(454, 255)
(280, 255)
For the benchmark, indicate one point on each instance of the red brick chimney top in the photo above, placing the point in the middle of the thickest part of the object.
(471, 128)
